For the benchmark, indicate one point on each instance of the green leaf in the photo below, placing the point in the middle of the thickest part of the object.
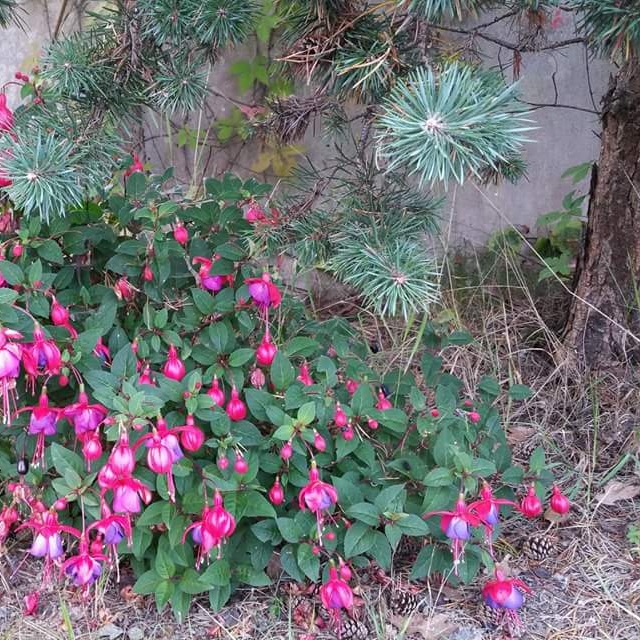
(241, 356)
(218, 574)
(301, 346)
(191, 583)
(439, 477)
(520, 392)
(147, 583)
(362, 401)
(412, 525)
(219, 596)
(391, 499)
(358, 539)
(282, 372)
(365, 512)
(7, 296)
(50, 251)
(164, 566)
(289, 529)
(204, 302)
(381, 550)
(308, 562)
(306, 413)
(290, 564)
(393, 419)
(537, 460)
(393, 535)
(489, 385)
(64, 459)
(12, 273)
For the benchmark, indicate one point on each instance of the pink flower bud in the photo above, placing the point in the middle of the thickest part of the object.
(59, 314)
(223, 463)
(216, 393)
(276, 494)
(435, 413)
(340, 417)
(347, 433)
(257, 378)
(287, 451)
(266, 351)
(559, 502)
(31, 602)
(352, 386)
(240, 466)
(373, 424)
(531, 506)
(474, 416)
(180, 234)
(147, 273)
(319, 442)
(345, 571)
(174, 367)
(17, 250)
(236, 409)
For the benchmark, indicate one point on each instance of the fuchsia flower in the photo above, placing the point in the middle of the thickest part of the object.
(456, 526)
(304, 376)
(317, 496)
(174, 367)
(43, 422)
(505, 595)
(287, 451)
(254, 213)
(559, 502)
(488, 510)
(31, 602)
(10, 356)
(213, 530)
(102, 351)
(531, 505)
(336, 593)
(263, 292)
(276, 493)
(236, 409)
(191, 436)
(206, 279)
(339, 416)
(128, 493)
(135, 167)
(180, 233)
(6, 115)
(42, 357)
(84, 568)
(383, 402)
(84, 417)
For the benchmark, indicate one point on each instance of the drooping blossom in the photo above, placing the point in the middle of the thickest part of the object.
(207, 280)
(102, 351)
(383, 402)
(559, 502)
(216, 393)
(10, 356)
(213, 530)
(84, 417)
(266, 350)
(136, 166)
(6, 115)
(128, 495)
(84, 568)
(276, 493)
(488, 510)
(61, 318)
(531, 505)
(335, 595)
(505, 595)
(174, 367)
(304, 376)
(31, 602)
(456, 525)
(263, 292)
(41, 357)
(236, 409)
(42, 422)
(318, 497)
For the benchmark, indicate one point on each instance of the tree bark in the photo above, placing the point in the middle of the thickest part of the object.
(603, 324)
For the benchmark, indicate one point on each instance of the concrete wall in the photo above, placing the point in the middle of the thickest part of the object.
(564, 137)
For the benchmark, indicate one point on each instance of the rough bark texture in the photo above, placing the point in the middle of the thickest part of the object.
(608, 273)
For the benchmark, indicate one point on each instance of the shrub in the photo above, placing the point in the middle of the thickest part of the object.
(181, 414)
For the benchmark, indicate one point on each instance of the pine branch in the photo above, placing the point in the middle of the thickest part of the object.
(448, 126)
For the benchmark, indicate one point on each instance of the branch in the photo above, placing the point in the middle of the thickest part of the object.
(509, 45)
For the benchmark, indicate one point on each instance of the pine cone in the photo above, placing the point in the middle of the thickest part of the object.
(537, 548)
(353, 630)
(489, 617)
(403, 603)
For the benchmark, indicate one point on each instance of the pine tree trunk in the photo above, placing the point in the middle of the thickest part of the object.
(608, 273)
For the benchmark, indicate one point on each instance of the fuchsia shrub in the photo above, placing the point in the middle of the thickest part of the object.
(166, 406)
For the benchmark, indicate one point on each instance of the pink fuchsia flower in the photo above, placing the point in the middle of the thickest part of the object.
(136, 166)
(84, 568)
(207, 280)
(456, 525)
(84, 417)
(174, 367)
(43, 422)
(276, 493)
(216, 393)
(102, 351)
(263, 292)
(128, 495)
(304, 376)
(488, 510)
(213, 530)
(336, 593)
(31, 602)
(191, 436)
(180, 233)
(10, 356)
(383, 402)
(236, 409)
(266, 351)
(287, 451)
(6, 115)
(506, 596)
(40, 358)
(254, 213)
(317, 496)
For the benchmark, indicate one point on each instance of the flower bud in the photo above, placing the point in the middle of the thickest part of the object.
(559, 502)
(531, 506)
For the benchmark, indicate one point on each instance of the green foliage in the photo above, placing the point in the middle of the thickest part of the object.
(8, 13)
(560, 245)
(611, 27)
(416, 460)
(450, 125)
(437, 10)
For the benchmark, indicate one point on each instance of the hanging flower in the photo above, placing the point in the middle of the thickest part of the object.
(488, 510)
(43, 422)
(136, 166)
(42, 357)
(263, 292)
(304, 376)
(174, 367)
(213, 530)
(336, 593)
(317, 496)
(60, 317)
(10, 356)
(531, 505)
(456, 525)
(216, 393)
(84, 417)
(207, 280)
(559, 502)
(128, 495)
(6, 115)
(505, 595)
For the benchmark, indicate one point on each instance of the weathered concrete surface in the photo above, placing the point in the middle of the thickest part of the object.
(564, 137)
